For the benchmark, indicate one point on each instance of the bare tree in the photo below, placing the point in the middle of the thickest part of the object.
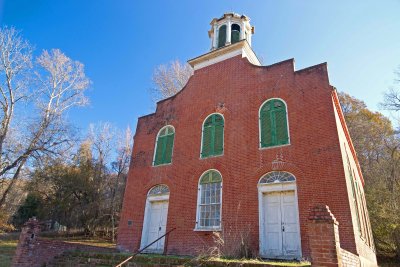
(391, 99)
(170, 79)
(120, 167)
(55, 84)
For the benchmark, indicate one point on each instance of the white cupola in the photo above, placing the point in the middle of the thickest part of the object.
(229, 29)
(230, 36)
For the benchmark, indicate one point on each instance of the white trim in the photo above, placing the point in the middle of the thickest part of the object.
(218, 59)
(213, 228)
(149, 200)
(155, 147)
(242, 48)
(275, 187)
(223, 137)
(259, 124)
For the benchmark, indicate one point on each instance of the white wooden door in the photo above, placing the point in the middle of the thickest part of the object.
(281, 235)
(157, 222)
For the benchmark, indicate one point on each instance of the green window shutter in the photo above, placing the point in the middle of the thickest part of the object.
(218, 139)
(169, 140)
(222, 36)
(266, 129)
(213, 136)
(159, 151)
(164, 146)
(273, 124)
(207, 136)
(281, 127)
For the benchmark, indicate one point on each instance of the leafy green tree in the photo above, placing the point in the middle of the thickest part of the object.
(30, 208)
(378, 150)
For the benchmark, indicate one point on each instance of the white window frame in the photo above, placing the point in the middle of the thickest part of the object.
(259, 124)
(155, 147)
(208, 228)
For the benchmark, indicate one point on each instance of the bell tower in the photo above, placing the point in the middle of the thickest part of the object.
(230, 36)
(229, 29)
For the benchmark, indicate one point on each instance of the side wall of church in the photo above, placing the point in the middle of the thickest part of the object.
(355, 192)
(237, 89)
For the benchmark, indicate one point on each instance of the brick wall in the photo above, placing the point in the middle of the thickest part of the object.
(313, 156)
(33, 251)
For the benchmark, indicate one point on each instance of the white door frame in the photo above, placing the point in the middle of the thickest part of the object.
(275, 187)
(149, 200)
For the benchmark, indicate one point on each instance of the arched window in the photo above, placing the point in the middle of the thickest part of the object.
(159, 190)
(222, 36)
(209, 201)
(164, 146)
(213, 136)
(235, 33)
(273, 124)
(277, 177)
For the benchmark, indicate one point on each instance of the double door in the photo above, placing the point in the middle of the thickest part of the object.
(281, 236)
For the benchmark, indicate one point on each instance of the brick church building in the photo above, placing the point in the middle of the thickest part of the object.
(248, 150)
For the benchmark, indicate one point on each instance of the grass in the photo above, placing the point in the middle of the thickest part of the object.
(7, 248)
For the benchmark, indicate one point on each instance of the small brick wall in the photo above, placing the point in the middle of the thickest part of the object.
(34, 251)
(323, 232)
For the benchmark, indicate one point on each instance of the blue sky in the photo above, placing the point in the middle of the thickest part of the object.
(121, 42)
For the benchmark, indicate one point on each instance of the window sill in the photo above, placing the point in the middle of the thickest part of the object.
(218, 229)
(271, 147)
(164, 164)
(213, 156)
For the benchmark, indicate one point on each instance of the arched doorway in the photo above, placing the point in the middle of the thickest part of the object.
(278, 216)
(155, 218)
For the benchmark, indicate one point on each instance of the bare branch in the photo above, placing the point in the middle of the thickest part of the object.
(170, 79)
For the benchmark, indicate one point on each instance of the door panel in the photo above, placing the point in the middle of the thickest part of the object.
(272, 222)
(290, 224)
(163, 225)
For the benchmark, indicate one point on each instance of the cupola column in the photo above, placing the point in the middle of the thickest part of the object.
(242, 30)
(228, 31)
(215, 39)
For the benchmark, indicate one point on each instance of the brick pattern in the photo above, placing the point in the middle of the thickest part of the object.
(33, 251)
(313, 155)
(349, 259)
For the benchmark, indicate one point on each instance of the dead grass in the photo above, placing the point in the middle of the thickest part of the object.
(260, 261)
(92, 242)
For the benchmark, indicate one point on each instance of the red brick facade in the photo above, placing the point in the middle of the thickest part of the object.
(237, 89)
